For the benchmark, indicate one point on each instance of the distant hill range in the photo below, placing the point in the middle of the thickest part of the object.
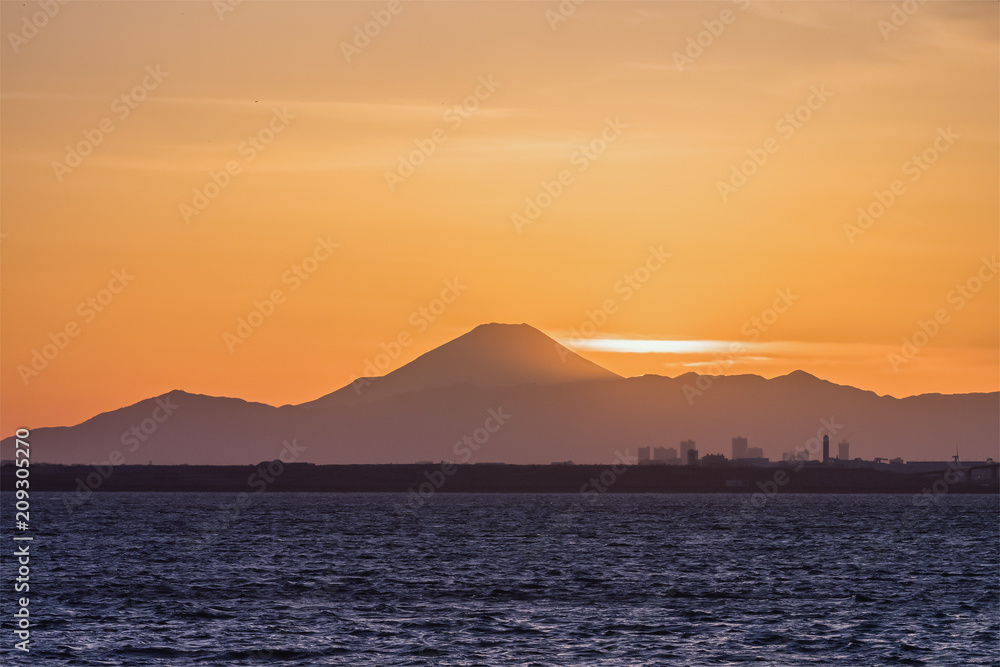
(509, 393)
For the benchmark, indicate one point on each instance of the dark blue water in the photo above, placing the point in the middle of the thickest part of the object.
(327, 579)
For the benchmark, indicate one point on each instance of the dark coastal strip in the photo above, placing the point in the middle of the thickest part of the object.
(494, 478)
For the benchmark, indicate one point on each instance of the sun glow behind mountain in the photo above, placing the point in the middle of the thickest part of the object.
(646, 346)
(725, 357)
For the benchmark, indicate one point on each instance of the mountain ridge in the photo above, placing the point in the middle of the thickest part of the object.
(560, 410)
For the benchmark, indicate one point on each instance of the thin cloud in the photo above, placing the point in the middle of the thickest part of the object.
(394, 111)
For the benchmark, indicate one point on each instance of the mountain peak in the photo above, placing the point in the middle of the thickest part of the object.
(489, 356)
(488, 326)
(802, 379)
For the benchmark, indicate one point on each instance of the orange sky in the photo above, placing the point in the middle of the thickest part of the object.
(503, 105)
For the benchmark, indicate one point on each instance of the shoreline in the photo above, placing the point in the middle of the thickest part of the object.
(428, 478)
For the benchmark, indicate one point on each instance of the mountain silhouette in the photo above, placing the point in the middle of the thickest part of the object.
(491, 355)
(520, 397)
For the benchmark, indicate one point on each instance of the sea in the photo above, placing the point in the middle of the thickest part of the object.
(505, 579)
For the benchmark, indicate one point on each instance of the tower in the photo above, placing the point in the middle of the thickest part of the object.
(826, 449)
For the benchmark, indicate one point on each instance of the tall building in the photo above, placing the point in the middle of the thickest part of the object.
(844, 451)
(692, 457)
(686, 446)
(826, 449)
(739, 447)
(643, 454)
(665, 454)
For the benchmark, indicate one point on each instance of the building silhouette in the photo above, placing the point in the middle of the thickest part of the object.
(739, 447)
(826, 449)
(714, 460)
(644, 455)
(666, 456)
(844, 451)
(686, 446)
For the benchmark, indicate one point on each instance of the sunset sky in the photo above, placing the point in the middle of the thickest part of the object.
(664, 186)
